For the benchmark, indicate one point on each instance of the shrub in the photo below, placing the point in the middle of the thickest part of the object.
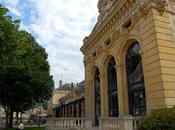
(162, 119)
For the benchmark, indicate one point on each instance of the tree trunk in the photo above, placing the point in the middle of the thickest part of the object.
(11, 118)
(21, 117)
(17, 115)
(6, 116)
(6, 119)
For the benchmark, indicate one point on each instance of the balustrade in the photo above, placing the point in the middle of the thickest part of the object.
(136, 122)
(68, 123)
(106, 123)
(120, 123)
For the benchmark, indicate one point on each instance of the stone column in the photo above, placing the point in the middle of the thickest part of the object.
(126, 123)
(103, 93)
(89, 98)
(76, 109)
(82, 107)
(120, 88)
(73, 110)
(88, 92)
(63, 111)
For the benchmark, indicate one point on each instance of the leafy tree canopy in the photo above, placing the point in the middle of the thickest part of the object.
(24, 70)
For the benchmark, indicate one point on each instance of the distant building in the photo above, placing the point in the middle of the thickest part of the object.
(57, 95)
(72, 104)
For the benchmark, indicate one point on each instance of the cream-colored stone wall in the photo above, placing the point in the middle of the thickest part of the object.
(74, 94)
(57, 94)
(166, 47)
(153, 26)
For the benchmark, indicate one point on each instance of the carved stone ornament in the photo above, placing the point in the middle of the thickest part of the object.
(142, 6)
(159, 5)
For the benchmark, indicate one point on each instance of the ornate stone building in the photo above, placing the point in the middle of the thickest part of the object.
(129, 59)
(72, 105)
(56, 96)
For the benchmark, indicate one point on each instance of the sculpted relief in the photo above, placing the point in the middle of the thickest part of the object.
(104, 7)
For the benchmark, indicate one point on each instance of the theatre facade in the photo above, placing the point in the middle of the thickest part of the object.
(129, 60)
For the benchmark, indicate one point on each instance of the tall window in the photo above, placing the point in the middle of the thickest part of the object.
(136, 88)
(112, 89)
(97, 96)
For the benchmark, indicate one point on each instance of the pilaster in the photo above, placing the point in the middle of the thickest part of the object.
(104, 97)
(165, 30)
(88, 92)
(121, 102)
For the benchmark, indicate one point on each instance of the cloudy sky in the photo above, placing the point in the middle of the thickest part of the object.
(59, 26)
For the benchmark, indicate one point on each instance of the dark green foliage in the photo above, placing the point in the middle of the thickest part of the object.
(29, 128)
(24, 70)
(162, 119)
(44, 104)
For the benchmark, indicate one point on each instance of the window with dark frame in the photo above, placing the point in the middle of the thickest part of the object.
(108, 41)
(97, 97)
(127, 24)
(112, 89)
(135, 78)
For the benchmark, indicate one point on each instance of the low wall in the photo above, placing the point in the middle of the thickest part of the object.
(106, 123)
(68, 124)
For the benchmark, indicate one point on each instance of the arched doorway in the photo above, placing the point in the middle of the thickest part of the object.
(112, 88)
(135, 80)
(97, 96)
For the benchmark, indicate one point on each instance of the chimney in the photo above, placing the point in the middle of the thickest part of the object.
(60, 83)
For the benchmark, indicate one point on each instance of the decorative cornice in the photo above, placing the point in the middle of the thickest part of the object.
(135, 9)
(103, 28)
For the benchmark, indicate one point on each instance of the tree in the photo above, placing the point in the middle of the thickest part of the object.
(24, 70)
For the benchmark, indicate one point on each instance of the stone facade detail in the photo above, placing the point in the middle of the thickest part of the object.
(160, 5)
(149, 22)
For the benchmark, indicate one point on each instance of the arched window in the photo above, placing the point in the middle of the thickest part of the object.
(112, 89)
(135, 78)
(97, 97)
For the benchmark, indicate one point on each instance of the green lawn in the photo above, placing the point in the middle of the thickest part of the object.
(29, 128)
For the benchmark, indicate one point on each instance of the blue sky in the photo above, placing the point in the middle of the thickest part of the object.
(59, 26)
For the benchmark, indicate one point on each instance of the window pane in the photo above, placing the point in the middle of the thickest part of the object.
(136, 88)
(97, 96)
(112, 89)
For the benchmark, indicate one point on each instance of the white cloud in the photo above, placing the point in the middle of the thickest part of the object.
(60, 26)
(12, 6)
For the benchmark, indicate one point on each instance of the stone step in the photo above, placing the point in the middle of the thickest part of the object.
(95, 128)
